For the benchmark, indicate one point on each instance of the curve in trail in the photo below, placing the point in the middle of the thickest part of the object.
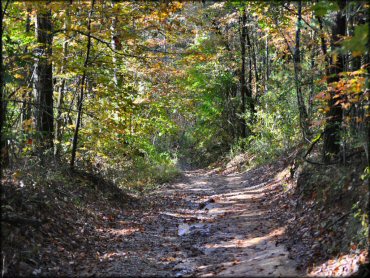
(204, 225)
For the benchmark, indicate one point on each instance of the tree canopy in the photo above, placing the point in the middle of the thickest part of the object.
(113, 84)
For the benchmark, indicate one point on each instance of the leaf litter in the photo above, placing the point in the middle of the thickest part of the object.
(236, 224)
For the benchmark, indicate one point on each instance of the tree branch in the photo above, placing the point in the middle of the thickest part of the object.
(144, 48)
(39, 105)
(295, 13)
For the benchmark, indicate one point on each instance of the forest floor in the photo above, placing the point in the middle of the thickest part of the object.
(202, 225)
(205, 223)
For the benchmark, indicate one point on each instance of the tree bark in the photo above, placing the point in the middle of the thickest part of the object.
(82, 87)
(254, 58)
(331, 146)
(312, 83)
(27, 96)
(44, 80)
(267, 65)
(116, 46)
(2, 99)
(249, 96)
(242, 80)
(303, 118)
(59, 120)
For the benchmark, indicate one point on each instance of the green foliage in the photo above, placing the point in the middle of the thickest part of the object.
(363, 218)
(323, 7)
(276, 126)
(366, 174)
(358, 44)
(178, 94)
(209, 135)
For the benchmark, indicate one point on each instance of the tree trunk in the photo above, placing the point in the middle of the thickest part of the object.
(312, 81)
(367, 126)
(59, 120)
(2, 99)
(82, 87)
(44, 79)
(250, 99)
(254, 58)
(267, 65)
(303, 118)
(243, 85)
(331, 145)
(116, 46)
(27, 96)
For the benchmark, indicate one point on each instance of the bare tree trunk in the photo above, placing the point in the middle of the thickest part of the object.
(44, 79)
(355, 62)
(250, 99)
(82, 87)
(331, 145)
(303, 118)
(27, 96)
(267, 65)
(367, 127)
(312, 83)
(254, 58)
(243, 85)
(59, 119)
(2, 97)
(116, 45)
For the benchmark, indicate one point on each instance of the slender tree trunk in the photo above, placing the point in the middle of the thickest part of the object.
(250, 89)
(27, 96)
(324, 47)
(59, 120)
(116, 45)
(331, 144)
(355, 62)
(312, 83)
(249, 96)
(267, 65)
(254, 58)
(367, 127)
(2, 98)
(243, 85)
(82, 87)
(303, 118)
(44, 79)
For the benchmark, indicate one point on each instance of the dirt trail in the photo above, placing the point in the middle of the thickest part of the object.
(202, 225)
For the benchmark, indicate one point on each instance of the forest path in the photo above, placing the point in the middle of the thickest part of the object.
(204, 225)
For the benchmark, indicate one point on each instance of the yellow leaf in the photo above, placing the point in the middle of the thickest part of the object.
(356, 53)
(17, 174)
(335, 57)
(27, 124)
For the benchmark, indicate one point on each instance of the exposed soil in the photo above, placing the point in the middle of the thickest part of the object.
(201, 225)
(206, 223)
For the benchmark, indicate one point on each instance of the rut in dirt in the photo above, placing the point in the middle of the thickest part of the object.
(204, 224)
